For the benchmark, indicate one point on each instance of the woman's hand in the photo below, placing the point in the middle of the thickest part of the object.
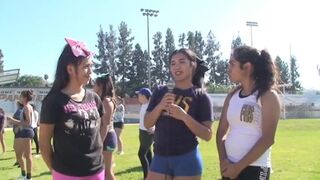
(223, 165)
(177, 112)
(10, 119)
(166, 101)
(232, 171)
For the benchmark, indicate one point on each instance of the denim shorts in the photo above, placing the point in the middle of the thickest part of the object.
(24, 132)
(188, 164)
(110, 143)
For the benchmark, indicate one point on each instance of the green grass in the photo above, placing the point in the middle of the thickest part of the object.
(295, 154)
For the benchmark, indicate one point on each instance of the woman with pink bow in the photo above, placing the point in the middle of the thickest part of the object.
(71, 117)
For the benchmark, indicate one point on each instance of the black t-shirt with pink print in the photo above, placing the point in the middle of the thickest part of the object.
(76, 140)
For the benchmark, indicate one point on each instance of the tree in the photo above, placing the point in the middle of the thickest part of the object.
(102, 65)
(111, 49)
(222, 77)
(191, 41)
(237, 42)
(168, 49)
(28, 81)
(158, 71)
(106, 52)
(294, 74)
(182, 40)
(140, 69)
(283, 70)
(1, 61)
(199, 44)
(212, 56)
(124, 55)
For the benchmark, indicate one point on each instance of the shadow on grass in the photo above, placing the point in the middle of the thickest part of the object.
(313, 172)
(7, 158)
(11, 150)
(133, 169)
(42, 174)
(7, 168)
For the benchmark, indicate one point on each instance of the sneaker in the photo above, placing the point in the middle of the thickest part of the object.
(120, 152)
(16, 164)
(21, 177)
(37, 155)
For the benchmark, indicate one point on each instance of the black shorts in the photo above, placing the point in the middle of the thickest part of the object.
(118, 125)
(253, 173)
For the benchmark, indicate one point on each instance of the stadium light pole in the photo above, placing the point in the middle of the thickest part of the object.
(151, 13)
(251, 23)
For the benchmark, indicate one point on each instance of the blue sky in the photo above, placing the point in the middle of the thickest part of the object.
(32, 32)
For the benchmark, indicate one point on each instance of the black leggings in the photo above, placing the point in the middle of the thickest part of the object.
(35, 138)
(145, 154)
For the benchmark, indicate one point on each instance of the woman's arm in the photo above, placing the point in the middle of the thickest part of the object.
(46, 134)
(202, 130)
(201, 124)
(270, 116)
(14, 121)
(151, 118)
(122, 112)
(27, 112)
(106, 117)
(222, 131)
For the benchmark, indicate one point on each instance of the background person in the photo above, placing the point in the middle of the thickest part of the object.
(2, 119)
(16, 116)
(146, 136)
(104, 88)
(34, 125)
(118, 123)
(24, 135)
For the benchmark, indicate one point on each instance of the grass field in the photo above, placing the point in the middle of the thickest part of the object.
(295, 155)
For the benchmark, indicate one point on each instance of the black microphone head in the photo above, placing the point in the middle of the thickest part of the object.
(170, 85)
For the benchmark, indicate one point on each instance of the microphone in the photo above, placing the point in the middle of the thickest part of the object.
(170, 85)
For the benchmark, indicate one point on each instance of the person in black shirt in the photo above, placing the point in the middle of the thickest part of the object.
(180, 117)
(71, 117)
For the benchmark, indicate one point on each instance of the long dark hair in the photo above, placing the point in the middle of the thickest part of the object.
(27, 94)
(198, 65)
(106, 83)
(62, 77)
(264, 72)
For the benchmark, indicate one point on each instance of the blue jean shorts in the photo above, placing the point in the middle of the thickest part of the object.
(24, 132)
(188, 164)
(110, 143)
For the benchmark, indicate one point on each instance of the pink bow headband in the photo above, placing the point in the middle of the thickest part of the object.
(78, 48)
